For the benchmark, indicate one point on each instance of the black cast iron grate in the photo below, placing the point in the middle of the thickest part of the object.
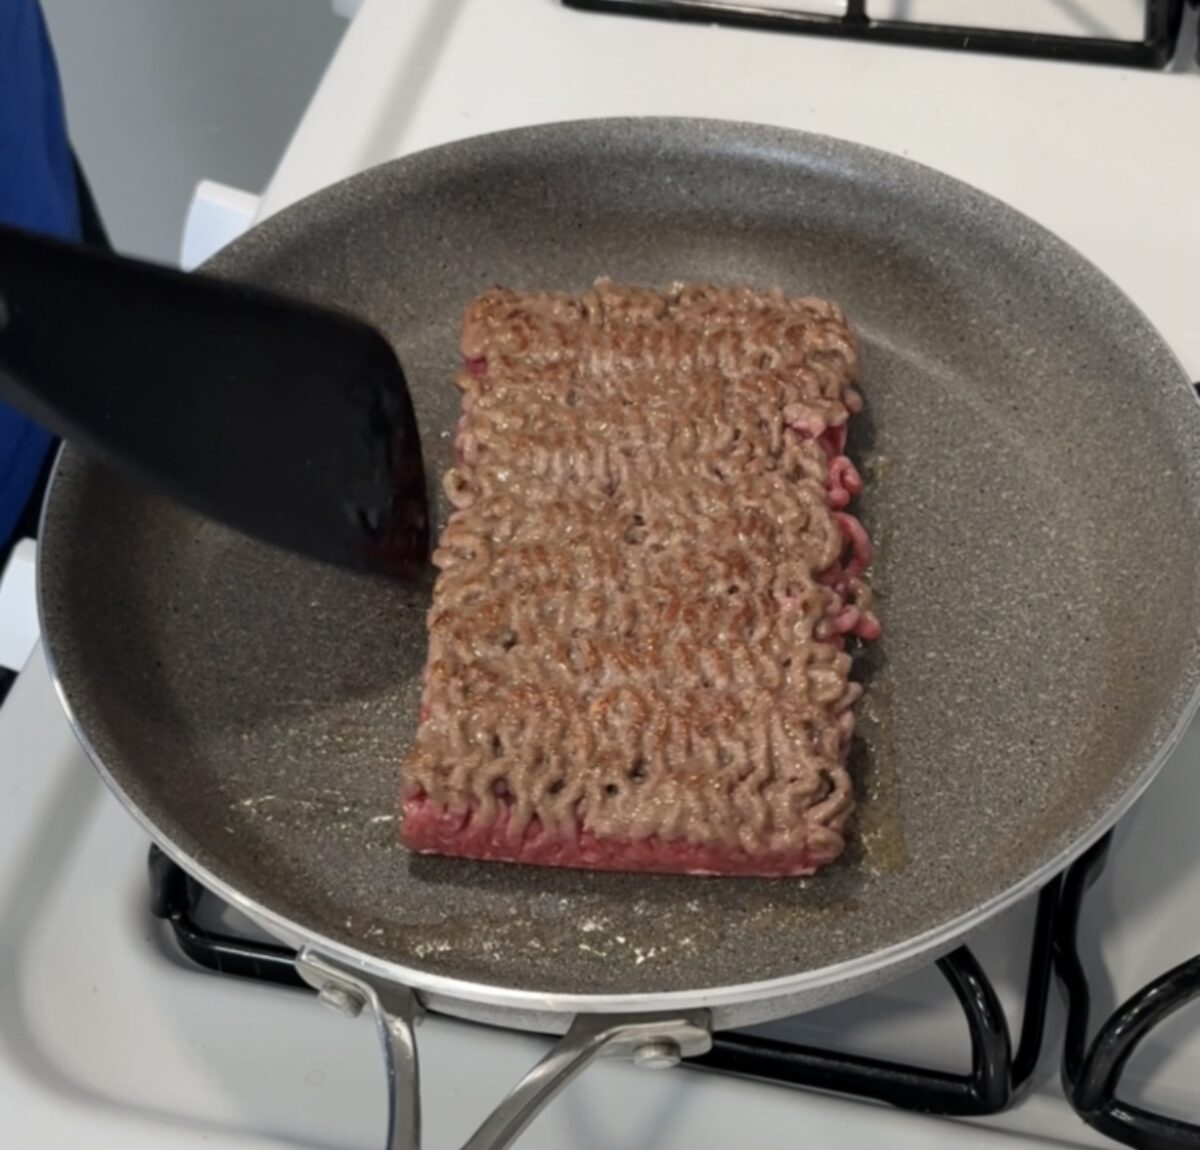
(1155, 49)
(998, 1074)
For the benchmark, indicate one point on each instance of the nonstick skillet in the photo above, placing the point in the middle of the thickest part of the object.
(1032, 453)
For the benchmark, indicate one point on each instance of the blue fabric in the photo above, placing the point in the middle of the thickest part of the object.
(37, 192)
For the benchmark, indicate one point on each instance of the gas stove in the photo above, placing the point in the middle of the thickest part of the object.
(1134, 33)
(112, 1034)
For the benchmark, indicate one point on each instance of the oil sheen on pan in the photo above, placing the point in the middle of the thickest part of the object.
(638, 640)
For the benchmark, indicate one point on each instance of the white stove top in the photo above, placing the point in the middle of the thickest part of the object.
(107, 1038)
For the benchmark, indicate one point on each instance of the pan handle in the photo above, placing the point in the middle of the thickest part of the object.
(396, 1012)
(648, 1040)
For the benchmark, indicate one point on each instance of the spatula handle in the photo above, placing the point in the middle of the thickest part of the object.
(289, 422)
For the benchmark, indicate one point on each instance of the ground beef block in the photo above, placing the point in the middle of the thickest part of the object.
(637, 645)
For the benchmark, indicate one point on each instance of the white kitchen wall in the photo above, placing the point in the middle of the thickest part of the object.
(162, 93)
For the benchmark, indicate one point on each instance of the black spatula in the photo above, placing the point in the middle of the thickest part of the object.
(288, 422)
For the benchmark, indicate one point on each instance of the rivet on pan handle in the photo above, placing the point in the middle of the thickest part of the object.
(648, 1040)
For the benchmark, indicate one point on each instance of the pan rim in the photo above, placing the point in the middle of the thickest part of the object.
(935, 939)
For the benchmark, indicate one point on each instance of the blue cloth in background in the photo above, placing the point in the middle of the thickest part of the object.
(37, 192)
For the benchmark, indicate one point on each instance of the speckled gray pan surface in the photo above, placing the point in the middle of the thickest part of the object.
(1033, 460)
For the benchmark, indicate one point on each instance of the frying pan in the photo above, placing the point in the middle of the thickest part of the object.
(1032, 451)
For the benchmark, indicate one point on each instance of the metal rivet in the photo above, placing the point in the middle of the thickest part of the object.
(342, 1000)
(661, 1055)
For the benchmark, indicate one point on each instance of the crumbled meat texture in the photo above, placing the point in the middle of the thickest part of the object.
(637, 640)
